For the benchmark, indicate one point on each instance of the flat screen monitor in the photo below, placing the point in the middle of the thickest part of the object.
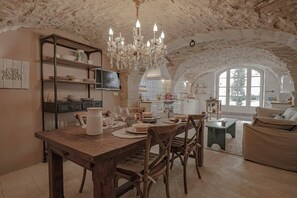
(110, 80)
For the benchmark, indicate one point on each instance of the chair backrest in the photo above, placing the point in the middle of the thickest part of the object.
(195, 121)
(81, 116)
(161, 135)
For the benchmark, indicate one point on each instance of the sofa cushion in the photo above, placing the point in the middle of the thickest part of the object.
(288, 125)
(289, 113)
(279, 116)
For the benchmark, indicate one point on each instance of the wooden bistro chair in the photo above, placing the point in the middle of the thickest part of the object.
(182, 147)
(145, 167)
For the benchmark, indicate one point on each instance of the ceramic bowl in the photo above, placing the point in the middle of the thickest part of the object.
(181, 117)
(141, 127)
(73, 98)
(90, 62)
(147, 114)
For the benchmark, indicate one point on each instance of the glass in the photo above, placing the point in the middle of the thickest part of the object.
(223, 75)
(223, 100)
(255, 73)
(124, 113)
(223, 82)
(255, 96)
(109, 122)
(256, 81)
(116, 112)
(222, 92)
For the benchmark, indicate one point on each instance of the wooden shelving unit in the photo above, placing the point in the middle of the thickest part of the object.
(52, 62)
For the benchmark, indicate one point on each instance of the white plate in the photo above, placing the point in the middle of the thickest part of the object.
(133, 130)
(123, 134)
(166, 121)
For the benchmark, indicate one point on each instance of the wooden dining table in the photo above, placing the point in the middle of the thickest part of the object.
(99, 154)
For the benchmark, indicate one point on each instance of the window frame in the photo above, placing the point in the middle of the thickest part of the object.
(248, 87)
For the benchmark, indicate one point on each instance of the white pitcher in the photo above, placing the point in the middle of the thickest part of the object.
(94, 121)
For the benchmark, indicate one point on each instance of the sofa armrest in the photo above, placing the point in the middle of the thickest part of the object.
(273, 147)
(288, 125)
(267, 112)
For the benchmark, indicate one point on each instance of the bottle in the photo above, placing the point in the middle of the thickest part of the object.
(94, 121)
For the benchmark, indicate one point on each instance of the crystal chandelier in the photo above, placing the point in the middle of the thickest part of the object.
(137, 56)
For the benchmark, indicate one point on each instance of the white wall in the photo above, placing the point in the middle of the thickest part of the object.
(154, 87)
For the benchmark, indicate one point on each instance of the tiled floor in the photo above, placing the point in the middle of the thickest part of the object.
(223, 175)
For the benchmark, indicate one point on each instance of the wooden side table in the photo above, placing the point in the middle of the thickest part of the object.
(213, 106)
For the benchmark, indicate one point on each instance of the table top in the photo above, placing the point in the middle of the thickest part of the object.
(218, 123)
(91, 148)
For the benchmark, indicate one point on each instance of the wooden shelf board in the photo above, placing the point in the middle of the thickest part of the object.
(71, 82)
(69, 63)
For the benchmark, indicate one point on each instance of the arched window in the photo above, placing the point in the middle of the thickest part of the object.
(240, 87)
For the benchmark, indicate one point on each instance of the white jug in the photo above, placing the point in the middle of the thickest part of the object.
(94, 121)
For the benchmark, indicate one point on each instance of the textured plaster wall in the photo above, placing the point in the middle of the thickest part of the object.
(21, 109)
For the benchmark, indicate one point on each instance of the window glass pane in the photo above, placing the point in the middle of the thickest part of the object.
(255, 73)
(256, 81)
(223, 99)
(238, 82)
(237, 101)
(222, 91)
(223, 75)
(232, 80)
(233, 73)
(255, 96)
(238, 73)
(223, 82)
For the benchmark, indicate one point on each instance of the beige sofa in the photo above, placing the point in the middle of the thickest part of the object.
(271, 141)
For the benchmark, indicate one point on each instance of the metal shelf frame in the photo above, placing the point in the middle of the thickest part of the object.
(58, 41)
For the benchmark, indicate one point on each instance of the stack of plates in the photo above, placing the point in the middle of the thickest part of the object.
(87, 99)
(89, 80)
(68, 57)
(58, 77)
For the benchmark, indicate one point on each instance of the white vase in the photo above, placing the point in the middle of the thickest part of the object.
(94, 121)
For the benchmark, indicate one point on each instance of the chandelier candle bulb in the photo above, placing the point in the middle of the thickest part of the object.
(162, 35)
(137, 24)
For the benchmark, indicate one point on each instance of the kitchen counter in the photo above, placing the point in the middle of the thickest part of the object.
(182, 106)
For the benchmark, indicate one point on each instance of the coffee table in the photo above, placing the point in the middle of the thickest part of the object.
(217, 131)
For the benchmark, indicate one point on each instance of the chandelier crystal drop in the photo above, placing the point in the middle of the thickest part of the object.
(138, 55)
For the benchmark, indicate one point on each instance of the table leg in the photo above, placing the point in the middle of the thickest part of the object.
(216, 136)
(201, 142)
(231, 130)
(103, 179)
(55, 167)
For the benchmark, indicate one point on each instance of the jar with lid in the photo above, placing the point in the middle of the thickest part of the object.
(81, 56)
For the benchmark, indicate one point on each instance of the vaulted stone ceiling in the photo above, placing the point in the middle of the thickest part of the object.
(182, 21)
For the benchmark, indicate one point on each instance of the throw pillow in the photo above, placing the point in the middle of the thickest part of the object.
(279, 116)
(289, 113)
(294, 117)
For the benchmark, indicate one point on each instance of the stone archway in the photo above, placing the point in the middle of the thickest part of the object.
(277, 50)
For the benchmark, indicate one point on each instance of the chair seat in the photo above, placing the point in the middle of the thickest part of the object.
(177, 142)
(135, 163)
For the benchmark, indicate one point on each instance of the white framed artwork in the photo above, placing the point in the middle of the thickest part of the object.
(14, 74)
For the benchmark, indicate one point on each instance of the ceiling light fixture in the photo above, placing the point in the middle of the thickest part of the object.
(138, 55)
